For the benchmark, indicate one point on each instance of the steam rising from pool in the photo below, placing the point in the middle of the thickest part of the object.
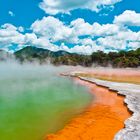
(35, 100)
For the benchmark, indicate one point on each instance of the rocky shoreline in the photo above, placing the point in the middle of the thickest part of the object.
(132, 93)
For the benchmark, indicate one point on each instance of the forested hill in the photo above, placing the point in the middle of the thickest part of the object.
(30, 53)
(116, 59)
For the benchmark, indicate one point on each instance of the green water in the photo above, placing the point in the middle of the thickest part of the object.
(34, 101)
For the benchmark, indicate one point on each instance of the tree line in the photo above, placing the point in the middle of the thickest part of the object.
(115, 59)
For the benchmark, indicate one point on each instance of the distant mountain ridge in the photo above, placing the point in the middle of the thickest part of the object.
(31, 50)
(34, 54)
(115, 59)
(30, 53)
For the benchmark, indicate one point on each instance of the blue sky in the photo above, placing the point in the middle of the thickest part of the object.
(27, 11)
(35, 16)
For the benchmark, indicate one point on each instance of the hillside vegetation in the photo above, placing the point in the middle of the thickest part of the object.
(116, 59)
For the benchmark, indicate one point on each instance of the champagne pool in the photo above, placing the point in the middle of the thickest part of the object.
(36, 101)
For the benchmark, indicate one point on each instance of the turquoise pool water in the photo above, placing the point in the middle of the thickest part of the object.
(36, 101)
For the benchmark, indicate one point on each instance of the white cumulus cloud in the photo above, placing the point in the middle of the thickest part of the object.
(78, 36)
(65, 6)
(10, 33)
(53, 29)
(129, 18)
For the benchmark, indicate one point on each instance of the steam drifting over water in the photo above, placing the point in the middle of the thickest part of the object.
(35, 100)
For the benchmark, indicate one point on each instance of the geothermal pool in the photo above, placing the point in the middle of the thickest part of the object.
(36, 101)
